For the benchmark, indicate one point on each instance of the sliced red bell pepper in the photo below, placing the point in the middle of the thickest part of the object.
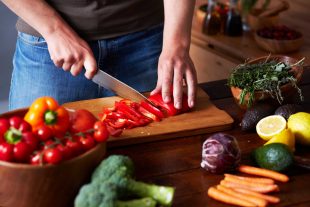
(148, 114)
(152, 109)
(169, 108)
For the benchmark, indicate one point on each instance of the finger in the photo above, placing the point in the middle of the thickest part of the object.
(90, 66)
(159, 81)
(58, 63)
(167, 78)
(66, 66)
(178, 86)
(191, 80)
(76, 68)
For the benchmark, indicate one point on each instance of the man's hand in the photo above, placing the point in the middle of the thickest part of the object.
(174, 67)
(71, 53)
(175, 64)
(66, 48)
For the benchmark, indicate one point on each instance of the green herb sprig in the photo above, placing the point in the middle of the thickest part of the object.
(267, 76)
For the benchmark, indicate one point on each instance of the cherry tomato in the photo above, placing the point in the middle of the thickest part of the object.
(88, 142)
(101, 133)
(66, 151)
(36, 159)
(44, 133)
(82, 120)
(75, 147)
(31, 139)
(22, 152)
(6, 152)
(52, 156)
(48, 144)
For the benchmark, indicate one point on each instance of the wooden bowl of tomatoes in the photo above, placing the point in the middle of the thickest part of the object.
(45, 180)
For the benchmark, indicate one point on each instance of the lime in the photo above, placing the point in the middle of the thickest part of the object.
(270, 126)
(285, 137)
(275, 156)
(299, 124)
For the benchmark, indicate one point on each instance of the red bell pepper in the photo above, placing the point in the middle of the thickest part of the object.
(169, 108)
(17, 140)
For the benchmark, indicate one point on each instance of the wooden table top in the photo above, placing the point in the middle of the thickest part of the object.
(242, 48)
(176, 162)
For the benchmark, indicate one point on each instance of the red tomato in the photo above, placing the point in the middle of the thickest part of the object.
(66, 151)
(52, 156)
(75, 147)
(22, 152)
(82, 120)
(101, 133)
(6, 152)
(88, 142)
(36, 159)
(44, 133)
(48, 144)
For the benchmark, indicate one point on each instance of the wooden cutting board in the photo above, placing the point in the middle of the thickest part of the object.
(204, 118)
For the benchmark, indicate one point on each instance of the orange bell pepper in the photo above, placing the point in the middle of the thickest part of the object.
(46, 111)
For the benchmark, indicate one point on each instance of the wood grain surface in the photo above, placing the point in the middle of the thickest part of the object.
(204, 118)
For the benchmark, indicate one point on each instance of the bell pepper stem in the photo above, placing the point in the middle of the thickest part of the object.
(13, 135)
(50, 117)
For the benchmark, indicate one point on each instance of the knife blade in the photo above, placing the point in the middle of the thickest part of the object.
(121, 89)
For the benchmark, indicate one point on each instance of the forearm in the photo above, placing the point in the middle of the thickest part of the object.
(39, 15)
(178, 22)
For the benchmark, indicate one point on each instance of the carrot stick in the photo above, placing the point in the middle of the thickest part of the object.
(253, 199)
(226, 198)
(245, 182)
(269, 198)
(263, 172)
(261, 189)
(252, 179)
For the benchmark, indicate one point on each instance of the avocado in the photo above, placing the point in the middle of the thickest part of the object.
(288, 109)
(254, 114)
(275, 156)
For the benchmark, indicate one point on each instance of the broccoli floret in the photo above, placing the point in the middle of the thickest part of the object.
(118, 169)
(109, 166)
(105, 195)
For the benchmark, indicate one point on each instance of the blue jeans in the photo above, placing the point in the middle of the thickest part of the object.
(132, 58)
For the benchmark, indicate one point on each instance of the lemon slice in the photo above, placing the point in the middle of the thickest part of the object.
(270, 126)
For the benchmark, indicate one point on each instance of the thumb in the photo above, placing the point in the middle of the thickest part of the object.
(90, 66)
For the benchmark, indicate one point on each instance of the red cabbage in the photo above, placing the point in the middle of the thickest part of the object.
(220, 153)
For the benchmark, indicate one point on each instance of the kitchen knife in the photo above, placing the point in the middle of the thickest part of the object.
(121, 89)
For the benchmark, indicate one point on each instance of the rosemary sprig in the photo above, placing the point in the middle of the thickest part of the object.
(267, 76)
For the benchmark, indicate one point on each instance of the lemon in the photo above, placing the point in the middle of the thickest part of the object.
(285, 137)
(299, 124)
(270, 126)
